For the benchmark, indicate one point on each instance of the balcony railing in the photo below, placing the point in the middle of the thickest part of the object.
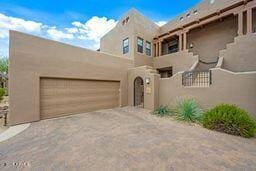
(197, 78)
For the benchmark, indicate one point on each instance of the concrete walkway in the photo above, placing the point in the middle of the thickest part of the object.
(124, 139)
(7, 133)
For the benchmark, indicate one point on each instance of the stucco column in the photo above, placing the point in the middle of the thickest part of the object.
(180, 42)
(240, 24)
(249, 21)
(160, 48)
(156, 49)
(185, 41)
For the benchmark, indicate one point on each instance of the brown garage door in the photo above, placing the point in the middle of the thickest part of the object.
(60, 97)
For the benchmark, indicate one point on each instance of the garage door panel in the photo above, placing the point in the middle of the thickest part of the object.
(80, 92)
(70, 94)
(61, 97)
(64, 84)
(62, 110)
(79, 100)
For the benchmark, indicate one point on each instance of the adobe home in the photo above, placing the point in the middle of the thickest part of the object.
(206, 53)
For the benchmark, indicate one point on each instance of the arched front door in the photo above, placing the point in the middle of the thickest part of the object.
(138, 92)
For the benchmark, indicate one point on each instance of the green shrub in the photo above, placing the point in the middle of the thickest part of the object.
(162, 111)
(2, 93)
(188, 110)
(230, 119)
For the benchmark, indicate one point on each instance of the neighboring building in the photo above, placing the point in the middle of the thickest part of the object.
(207, 53)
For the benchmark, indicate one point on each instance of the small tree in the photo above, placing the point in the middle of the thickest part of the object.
(4, 65)
(4, 68)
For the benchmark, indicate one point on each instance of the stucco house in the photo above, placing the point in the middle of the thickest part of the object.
(207, 53)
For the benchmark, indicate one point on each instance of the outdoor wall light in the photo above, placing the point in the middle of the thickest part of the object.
(191, 45)
(147, 80)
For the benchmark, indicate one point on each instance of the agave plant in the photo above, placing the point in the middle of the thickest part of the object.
(188, 110)
(162, 111)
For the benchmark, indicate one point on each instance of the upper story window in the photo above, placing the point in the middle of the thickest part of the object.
(125, 45)
(148, 48)
(125, 21)
(140, 45)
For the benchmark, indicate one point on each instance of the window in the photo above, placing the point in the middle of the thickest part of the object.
(195, 12)
(125, 45)
(140, 45)
(173, 46)
(148, 48)
(188, 15)
(165, 72)
(181, 18)
(125, 21)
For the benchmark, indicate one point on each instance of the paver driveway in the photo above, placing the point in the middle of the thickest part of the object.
(125, 139)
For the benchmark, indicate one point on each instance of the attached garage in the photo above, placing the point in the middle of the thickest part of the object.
(61, 97)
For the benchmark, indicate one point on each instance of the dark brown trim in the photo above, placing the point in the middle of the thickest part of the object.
(205, 18)
(134, 93)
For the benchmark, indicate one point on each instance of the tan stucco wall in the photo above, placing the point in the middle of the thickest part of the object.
(180, 61)
(254, 19)
(240, 56)
(112, 42)
(150, 90)
(142, 60)
(227, 87)
(32, 57)
(146, 30)
(209, 40)
(137, 26)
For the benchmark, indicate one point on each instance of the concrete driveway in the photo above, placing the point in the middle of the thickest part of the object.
(124, 139)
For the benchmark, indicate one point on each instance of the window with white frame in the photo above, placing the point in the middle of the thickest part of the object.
(125, 45)
(148, 48)
(140, 45)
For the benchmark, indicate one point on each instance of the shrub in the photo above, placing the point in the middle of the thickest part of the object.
(230, 119)
(162, 111)
(2, 93)
(188, 110)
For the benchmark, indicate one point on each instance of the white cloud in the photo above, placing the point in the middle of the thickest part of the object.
(95, 28)
(59, 35)
(161, 23)
(72, 30)
(85, 34)
(11, 23)
(77, 24)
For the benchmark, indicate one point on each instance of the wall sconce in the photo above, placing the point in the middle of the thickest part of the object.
(191, 45)
(147, 80)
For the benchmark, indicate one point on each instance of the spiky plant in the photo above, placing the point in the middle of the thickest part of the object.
(162, 111)
(188, 110)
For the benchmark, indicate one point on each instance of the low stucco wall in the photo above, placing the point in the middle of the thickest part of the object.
(180, 61)
(33, 57)
(150, 90)
(227, 87)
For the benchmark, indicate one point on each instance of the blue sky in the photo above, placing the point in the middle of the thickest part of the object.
(78, 22)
